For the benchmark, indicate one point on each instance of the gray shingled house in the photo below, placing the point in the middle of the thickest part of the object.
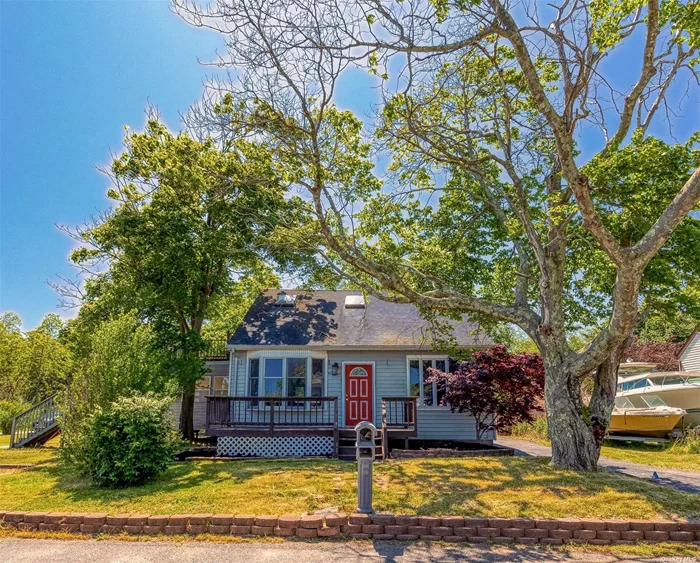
(305, 367)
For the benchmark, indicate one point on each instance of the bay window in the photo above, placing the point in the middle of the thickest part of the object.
(296, 377)
(273, 377)
(317, 365)
(428, 393)
(288, 376)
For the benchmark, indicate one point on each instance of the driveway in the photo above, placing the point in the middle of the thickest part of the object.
(17, 550)
(687, 481)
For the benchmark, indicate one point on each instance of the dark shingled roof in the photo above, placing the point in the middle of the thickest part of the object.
(319, 318)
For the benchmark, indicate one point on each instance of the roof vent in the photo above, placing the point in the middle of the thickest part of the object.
(285, 300)
(354, 301)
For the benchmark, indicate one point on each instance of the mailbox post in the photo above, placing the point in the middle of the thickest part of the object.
(366, 435)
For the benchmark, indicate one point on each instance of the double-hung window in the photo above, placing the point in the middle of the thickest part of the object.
(286, 377)
(428, 393)
(213, 384)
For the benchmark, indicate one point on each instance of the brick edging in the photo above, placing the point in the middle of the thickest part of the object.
(365, 526)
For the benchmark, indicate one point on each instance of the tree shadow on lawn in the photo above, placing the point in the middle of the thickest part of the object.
(185, 476)
(527, 487)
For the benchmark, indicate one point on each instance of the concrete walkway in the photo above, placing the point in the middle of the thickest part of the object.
(15, 550)
(687, 481)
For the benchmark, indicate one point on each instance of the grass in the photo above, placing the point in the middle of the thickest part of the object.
(4, 440)
(36, 455)
(677, 551)
(27, 456)
(648, 453)
(507, 487)
(681, 454)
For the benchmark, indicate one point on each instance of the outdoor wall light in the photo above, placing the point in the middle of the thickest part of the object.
(335, 369)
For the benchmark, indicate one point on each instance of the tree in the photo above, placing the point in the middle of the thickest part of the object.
(499, 389)
(35, 364)
(497, 210)
(112, 359)
(12, 386)
(227, 312)
(46, 362)
(188, 219)
(666, 355)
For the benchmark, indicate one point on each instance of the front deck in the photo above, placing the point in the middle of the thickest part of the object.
(303, 417)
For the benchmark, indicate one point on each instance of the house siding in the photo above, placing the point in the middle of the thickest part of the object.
(390, 380)
(690, 359)
(216, 368)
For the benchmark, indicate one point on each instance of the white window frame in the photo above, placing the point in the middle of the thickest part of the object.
(428, 357)
(284, 356)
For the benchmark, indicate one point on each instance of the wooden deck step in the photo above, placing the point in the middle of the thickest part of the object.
(346, 445)
(348, 453)
(349, 433)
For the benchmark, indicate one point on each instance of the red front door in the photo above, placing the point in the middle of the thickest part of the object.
(358, 393)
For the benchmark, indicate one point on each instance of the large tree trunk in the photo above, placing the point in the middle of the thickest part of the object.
(573, 442)
(577, 431)
(604, 391)
(187, 410)
(187, 413)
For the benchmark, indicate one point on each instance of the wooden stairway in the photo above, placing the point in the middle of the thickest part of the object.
(346, 445)
(35, 426)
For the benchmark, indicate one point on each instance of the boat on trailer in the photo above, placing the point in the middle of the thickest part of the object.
(645, 416)
(679, 389)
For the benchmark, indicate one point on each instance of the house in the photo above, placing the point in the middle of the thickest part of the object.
(306, 367)
(690, 353)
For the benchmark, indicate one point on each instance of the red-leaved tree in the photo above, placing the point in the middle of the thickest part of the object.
(664, 354)
(497, 388)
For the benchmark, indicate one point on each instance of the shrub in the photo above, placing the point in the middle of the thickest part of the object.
(9, 410)
(497, 388)
(116, 358)
(536, 430)
(130, 442)
(689, 443)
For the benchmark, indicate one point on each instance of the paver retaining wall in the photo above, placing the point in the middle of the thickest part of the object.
(364, 526)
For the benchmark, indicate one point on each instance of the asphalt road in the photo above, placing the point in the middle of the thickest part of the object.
(16, 550)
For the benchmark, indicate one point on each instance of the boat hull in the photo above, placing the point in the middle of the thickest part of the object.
(686, 397)
(656, 425)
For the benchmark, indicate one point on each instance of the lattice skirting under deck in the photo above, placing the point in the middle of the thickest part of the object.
(274, 446)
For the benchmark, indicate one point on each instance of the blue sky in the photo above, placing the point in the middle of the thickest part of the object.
(72, 74)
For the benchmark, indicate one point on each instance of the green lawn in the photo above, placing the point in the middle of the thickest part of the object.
(649, 453)
(506, 487)
(4, 439)
(27, 456)
(646, 453)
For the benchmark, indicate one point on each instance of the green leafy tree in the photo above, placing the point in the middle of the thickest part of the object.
(115, 358)
(46, 362)
(227, 311)
(189, 218)
(35, 364)
(495, 209)
(12, 386)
